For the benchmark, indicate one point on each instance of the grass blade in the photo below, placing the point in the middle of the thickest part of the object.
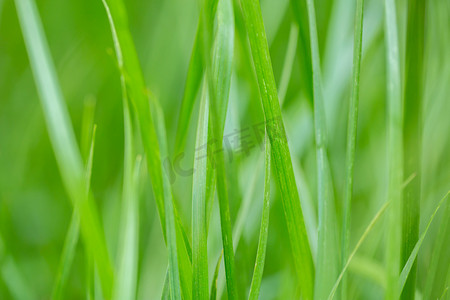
(63, 139)
(395, 153)
(351, 136)
(136, 91)
(327, 260)
(412, 135)
(263, 233)
(358, 244)
(280, 152)
(71, 240)
(199, 198)
(412, 258)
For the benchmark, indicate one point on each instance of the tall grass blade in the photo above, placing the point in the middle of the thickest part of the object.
(358, 244)
(280, 152)
(63, 139)
(351, 136)
(136, 91)
(73, 233)
(412, 142)
(218, 61)
(440, 260)
(263, 232)
(395, 146)
(327, 259)
(412, 258)
(199, 198)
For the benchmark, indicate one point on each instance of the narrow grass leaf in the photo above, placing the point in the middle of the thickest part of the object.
(199, 197)
(63, 139)
(280, 151)
(395, 146)
(412, 143)
(263, 232)
(327, 260)
(351, 137)
(358, 244)
(412, 258)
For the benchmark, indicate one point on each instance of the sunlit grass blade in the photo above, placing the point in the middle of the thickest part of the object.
(288, 63)
(280, 152)
(217, 57)
(358, 244)
(412, 144)
(199, 198)
(351, 137)
(412, 258)
(327, 252)
(63, 139)
(128, 252)
(440, 260)
(395, 147)
(214, 282)
(263, 232)
(73, 232)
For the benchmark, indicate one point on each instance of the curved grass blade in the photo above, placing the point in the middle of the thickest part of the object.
(214, 283)
(63, 139)
(218, 61)
(71, 240)
(199, 198)
(358, 244)
(412, 258)
(351, 137)
(440, 260)
(263, 233)
(327, 260)
(280, 152)
(288, 63)
(136, 91)
(412, 135)
(395, 153)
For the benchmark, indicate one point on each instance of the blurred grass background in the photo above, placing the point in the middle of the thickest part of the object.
(34, 208)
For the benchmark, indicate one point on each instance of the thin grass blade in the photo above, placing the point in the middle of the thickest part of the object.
(63, 139)
(280, 151)
(264, 231)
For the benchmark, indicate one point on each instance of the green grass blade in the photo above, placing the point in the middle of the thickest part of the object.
(263, 233)
(412, 135)
(71, 240)
(288, 63)
(280, 152)
(63, 139)
(395, 145)
(218, 61)
(440, 260)
(199, 198)
(214, 282)
(351, 137)
(412, 258)
(358, 244)
(327, 260)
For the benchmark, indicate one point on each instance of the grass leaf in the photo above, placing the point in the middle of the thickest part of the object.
(280, 152)
(63, 139)
(263, 232)
(351, 136)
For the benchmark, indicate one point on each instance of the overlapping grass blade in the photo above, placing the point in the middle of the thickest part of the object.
(125, 287)
(199, 198)
(63, 139)
(73, 232)
(280, 152)
(136, 92)
(358, 244)
(351, 137)
(440, 260)
(412, 135)
(327, 259)
(263, 232)
(218, 61)
(395, 146)
(412, 258)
